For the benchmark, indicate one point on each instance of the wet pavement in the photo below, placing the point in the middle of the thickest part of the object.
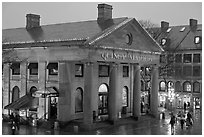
(150, 126)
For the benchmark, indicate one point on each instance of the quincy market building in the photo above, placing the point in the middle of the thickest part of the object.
(80, 70)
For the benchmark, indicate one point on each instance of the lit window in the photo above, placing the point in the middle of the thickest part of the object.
(163, 41)
(187, 86)
(125, 97)
(162, 86)
(168, 30)
(52, 68)
(182, 29)
(79, 70)
(197, 39)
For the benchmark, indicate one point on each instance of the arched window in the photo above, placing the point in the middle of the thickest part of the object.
(162, 86)
(33, 89)
(103, 99)
(178, 86)
(15, 93)
(79, 100)
(142, 85)
(125, 96)
(187, 86)
(196, 87)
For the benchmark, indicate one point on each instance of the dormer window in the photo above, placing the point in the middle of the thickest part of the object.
(197, 39)
(128, 39)
(163, 41)
(168, 30)
(182, 29)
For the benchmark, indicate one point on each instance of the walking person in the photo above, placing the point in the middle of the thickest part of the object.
(17, 120)
(184, 106)
(172, 122)
(13, 127)
(182, 120)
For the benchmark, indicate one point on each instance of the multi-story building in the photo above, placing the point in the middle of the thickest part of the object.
(79, 70)
(181, 63)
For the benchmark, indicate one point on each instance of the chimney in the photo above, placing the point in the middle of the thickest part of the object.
(32, 21)
(104, 12)
(193, 24)
(164, 26)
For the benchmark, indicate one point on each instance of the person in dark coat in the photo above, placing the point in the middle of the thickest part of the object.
(182, 120)
(17, 120)
(184, 106)
(172, 122)
(13, 127)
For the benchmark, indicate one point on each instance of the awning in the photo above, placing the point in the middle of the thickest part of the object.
(49, 92)
(25, 102)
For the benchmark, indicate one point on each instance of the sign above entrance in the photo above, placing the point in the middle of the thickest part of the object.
(125, 56)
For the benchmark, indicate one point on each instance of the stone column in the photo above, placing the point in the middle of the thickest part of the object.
(154, 92)
(89, 89)
(6, 87)
(23, 73)
(113, 93)
(65, 89)
(42, 87)
(136, 92)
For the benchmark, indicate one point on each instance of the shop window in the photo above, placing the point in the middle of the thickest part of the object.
(79, 70)
(197, 39)
(162, 86)
(52, 68)
(162, 59)
(125, 71)
(103, 70)
(187, 71)
(15, 67)
(196, 58)
(33, 67)
(15, 93)
(125, 96)
(187, 58)
(178, 87)
(79, 100)
(187, 86)
(178, 58)
(196, 87)
(196, 71)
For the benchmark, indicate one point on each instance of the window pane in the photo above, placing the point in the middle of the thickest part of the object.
(196, 87)
(103, 70)
(162, 85)
(178, 71)
(187, 86)
(196, 58)
(196, 71)
(187, 58)
(79, 70)
(125, 71)
(178, 58)
(187, 71)
(33, 71)
(16, 71)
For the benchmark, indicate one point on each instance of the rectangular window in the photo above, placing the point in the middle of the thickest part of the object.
(196, 71)
(33, 67)
(170, 70)
(125, 71)
(15, 68)
(170, 58)
(178, 71)
(187, 58)
(52, 68)
(178, 58)
(79, 70)
(162, 59)
(103, 70)
(187, 71)
(196, 58)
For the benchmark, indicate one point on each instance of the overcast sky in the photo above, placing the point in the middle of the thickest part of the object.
(176, 13)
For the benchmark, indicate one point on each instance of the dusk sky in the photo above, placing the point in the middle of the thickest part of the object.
(176, 13)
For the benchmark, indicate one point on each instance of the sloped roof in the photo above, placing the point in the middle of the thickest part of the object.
(74, 31)
(179, 40)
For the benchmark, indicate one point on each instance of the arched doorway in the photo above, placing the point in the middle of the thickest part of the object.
(124, 99)
(78, 100)
(15, 93)
(33, 89)
(103, 99)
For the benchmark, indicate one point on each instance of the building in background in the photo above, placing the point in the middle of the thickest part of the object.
(81, 70)
(181, 64)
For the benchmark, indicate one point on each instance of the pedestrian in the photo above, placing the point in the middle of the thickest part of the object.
(182, 121)
(189, 119)
(13, 127)
(17, 120)
(172, 122)
(184, 106)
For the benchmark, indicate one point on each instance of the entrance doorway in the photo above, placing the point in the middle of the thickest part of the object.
(53, 107)
(103, 100)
